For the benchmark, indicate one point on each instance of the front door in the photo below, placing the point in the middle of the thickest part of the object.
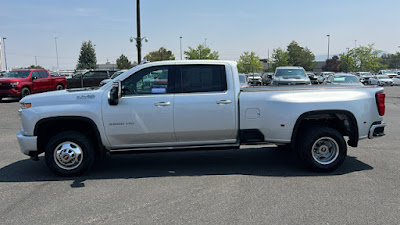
(144, 114)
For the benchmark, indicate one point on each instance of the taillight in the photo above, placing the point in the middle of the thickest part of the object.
(380, 103)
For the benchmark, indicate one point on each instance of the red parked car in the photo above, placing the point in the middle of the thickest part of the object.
(20, 83)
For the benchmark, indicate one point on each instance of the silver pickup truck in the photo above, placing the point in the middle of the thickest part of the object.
(182, 105)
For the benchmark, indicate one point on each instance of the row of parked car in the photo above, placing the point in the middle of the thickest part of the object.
(291, 75)
(22, 82)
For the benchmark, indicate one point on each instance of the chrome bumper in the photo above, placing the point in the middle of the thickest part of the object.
(377, 130)
(27, 143)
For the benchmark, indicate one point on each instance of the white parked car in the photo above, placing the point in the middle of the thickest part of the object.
(254, 79)
(116, 74)
(396, 80)
(322, 76)
(388, 73)
(243, 81)
(381, 80)
(290, 75)
(343, 79)
(364, 76)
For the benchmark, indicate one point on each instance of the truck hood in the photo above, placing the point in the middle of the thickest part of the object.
(72, 96)
(11, 79)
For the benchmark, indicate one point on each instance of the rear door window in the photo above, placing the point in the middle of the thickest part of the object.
(201, 78)
(43, 74)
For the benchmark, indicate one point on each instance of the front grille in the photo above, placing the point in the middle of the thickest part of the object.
(5, 87)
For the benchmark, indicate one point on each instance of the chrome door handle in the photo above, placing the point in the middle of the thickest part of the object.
(158, 104)
(220, 102)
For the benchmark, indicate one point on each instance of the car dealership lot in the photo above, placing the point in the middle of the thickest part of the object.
(252, 185)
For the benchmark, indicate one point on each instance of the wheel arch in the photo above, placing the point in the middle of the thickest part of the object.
(347, 125)
(48, 127)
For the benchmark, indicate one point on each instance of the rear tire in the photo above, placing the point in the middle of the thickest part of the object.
(69, 153)
(25, 92)
(59, 87)
(323, 149)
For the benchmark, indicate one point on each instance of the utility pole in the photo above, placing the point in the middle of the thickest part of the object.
(138, 39)
(1, 61)
(355, 43)
(329, 37)
(347, 61)
(55, 40)
(5, 56)
(180, 42)
(35, 60)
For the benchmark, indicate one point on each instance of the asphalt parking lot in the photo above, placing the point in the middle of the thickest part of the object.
(254, 185)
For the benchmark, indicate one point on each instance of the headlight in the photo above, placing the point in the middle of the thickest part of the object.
(14, 84)
(24, 105)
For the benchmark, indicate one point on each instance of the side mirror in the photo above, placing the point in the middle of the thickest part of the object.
(34, 78)
(269, 76)
(115, 93)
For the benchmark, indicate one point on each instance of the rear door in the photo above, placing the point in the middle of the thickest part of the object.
(37, 83)
(46, 81)
(205, 110)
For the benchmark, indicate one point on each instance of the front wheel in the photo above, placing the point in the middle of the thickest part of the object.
(69, 153)
(322, 148)
(59, 87)
(25, 92)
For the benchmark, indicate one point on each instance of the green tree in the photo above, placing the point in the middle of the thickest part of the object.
(391, 61)
(249, 63)
(279, 58)
(299, 56)
(362, 58)
(34, 67)
(123, 62)
(87, 57)
(160, 55)
(202, 52)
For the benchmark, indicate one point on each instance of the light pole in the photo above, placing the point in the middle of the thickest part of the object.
(55, 40)
(355, 43)
(180, 43)
(5, 56)
(36, 61)
(329, 37)
(347, 61)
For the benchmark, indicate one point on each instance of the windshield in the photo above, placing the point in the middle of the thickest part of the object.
(387, 71)
(18, 74)
(345, 79)
(366, 74)
(383, 77)
(290, 73)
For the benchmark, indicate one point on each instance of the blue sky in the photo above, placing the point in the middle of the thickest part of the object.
(229, 27)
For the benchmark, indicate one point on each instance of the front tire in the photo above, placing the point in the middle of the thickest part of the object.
(59, 87)
(25, 92)
(323, 149)
(69, 153)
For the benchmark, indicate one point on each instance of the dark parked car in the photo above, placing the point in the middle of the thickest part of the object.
(313, 77)
(89, 79)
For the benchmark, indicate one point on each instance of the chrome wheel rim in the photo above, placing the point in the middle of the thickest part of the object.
(325, 150)
(68, 155)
